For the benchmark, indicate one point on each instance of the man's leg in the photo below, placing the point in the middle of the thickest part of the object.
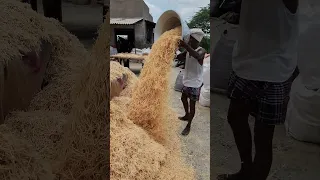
(186, 130)
(184, 99)
(263, 135)
(238, 119)
(273, 110)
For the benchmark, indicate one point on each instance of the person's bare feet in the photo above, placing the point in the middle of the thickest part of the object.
(184, 118)
(186, 131)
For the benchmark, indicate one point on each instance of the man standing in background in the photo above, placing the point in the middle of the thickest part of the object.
(193, 75)
(264, 67)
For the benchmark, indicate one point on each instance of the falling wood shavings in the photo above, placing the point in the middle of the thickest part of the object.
(85, 151)
(150, 95)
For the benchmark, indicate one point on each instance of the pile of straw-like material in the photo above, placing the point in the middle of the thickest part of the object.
(23, 30)
(41, 129)
(67, 126)
(18, 160)
(143, 145)
(85, 151)
(119, 72)
(151, 94)
(43, 126)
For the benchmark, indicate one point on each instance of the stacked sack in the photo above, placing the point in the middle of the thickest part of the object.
(204, 98)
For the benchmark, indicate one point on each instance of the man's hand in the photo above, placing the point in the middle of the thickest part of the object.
(182, 44)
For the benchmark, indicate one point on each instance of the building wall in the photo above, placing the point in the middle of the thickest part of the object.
(139, 30)
(119, 9)
(112, 34)
(138, 8)
(146, 12)
(140, 34)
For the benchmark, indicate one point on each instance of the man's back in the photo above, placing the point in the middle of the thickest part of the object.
(267, 41)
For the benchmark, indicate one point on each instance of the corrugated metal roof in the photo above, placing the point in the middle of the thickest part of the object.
(124, 21)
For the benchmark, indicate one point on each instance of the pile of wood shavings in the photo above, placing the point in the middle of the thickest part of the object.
(18, 160)
(135, 153)
(117, 71)
(85, 151)
(41, 129)
(151, 93)
(23, 30)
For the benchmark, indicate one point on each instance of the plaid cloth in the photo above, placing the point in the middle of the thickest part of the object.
(268, 100)
(191, 92)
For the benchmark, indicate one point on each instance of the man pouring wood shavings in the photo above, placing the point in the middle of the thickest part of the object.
(192, 78)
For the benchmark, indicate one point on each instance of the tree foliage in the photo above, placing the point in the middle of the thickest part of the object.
(201, 19)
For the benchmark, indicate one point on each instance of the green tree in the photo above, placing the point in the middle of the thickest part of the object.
(202, 20)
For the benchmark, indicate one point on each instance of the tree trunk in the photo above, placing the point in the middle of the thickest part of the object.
(53, 9)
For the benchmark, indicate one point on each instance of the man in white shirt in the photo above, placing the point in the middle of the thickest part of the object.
(193, 75)
(264, 66)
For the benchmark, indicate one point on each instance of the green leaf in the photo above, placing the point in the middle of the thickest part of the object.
(201, 19)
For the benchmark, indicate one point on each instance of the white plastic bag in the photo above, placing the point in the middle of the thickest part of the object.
(113, 51)
(136, 51)
(308, 57)
(179, 82)
(303, 115)
(206, 73)
(204, 99)
(146, 51)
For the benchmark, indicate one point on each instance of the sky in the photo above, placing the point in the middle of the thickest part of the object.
(186, 8)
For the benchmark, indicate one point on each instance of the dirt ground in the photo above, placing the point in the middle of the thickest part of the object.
(292, 160)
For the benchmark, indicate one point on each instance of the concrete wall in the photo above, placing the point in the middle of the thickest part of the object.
(138, 8)
(119, 9)
(140, 34)
(146, 12)
(139, 30)
(112, 34)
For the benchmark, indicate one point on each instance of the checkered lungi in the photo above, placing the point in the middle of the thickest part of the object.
(191, 92)
(268, 100)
